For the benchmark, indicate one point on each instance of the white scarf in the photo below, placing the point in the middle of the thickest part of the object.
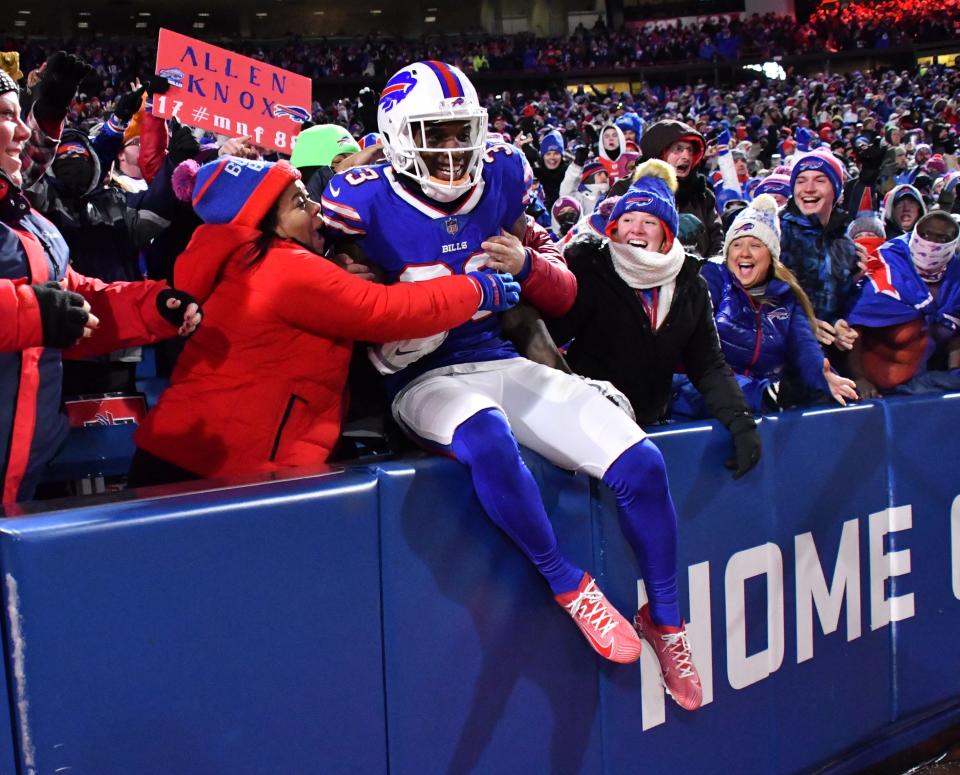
(642, 269)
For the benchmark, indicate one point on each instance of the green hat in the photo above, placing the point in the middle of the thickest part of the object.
(318, 145)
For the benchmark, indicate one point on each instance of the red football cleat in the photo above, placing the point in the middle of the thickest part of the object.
(677, 670)
(602, 625)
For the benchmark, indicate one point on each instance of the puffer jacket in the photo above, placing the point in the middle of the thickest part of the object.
(260, 385)
(766, 337)
(823, 258)
(32, 426)
(548, 285)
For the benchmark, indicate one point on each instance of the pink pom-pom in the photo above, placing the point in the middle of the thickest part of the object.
(184, 179)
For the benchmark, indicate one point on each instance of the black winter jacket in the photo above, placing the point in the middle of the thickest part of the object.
(614, 341)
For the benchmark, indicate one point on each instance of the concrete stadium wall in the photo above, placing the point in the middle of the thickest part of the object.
(374, 620)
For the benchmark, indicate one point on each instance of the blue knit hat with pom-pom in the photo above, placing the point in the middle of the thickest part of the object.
(233, 190)
(652, 191)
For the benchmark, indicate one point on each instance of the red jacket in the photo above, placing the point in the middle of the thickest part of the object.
(31, 423)
(550, 286)
(260, 385)
(153, 144)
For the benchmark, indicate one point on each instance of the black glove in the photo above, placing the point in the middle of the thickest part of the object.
(61, 314)
(128, 104)
(183, 145)
(746, 446)
(156, 84)
(58, 85)
(367, 101)
(580, 154)
(174, 315)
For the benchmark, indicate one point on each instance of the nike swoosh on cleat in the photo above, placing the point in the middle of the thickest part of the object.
(605, 652)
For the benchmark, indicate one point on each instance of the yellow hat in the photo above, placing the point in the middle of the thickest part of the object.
(10, 64)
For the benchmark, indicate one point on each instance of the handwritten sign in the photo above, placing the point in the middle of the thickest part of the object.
(230, 94)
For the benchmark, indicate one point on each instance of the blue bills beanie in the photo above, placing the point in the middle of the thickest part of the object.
(239, 191)
(651, 192)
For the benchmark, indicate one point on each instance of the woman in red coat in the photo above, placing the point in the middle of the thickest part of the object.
(260, 387)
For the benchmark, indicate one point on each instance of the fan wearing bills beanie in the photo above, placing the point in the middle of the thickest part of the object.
(547, 162)
(815, 247)
(777, 184)
(764, 320)
(642, 311)
(262, 389)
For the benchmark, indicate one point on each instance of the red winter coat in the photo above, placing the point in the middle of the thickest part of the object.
(550, 286)
(260, 385)
(32, 426)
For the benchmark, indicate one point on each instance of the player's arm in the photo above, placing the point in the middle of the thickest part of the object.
(524, 327)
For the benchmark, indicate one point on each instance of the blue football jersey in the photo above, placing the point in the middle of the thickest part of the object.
(411, 239)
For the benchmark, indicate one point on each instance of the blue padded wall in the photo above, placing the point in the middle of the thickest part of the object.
(226, 631)
(375, 620)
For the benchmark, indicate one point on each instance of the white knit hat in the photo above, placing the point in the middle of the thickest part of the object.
(758, 219)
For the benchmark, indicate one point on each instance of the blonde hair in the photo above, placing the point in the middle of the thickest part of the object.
(784, 274)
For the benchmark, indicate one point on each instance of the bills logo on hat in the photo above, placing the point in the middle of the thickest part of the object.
(810, 164)
(641, 199)
(744, 227)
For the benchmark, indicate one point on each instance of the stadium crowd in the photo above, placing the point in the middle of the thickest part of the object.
(849, 161)
(890, 24)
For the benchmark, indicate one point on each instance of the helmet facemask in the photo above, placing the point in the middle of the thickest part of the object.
(462, 163)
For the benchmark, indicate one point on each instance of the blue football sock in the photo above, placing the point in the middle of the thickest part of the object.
(638, 479)
(508, 493)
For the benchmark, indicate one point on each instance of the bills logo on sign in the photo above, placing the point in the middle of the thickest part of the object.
(293, 112)
(398, 88)
(744, 227)
(174, 75)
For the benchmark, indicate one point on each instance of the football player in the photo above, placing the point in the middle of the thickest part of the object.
(445, 204)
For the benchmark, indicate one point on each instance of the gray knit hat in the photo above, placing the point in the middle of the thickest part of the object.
(759, 219)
